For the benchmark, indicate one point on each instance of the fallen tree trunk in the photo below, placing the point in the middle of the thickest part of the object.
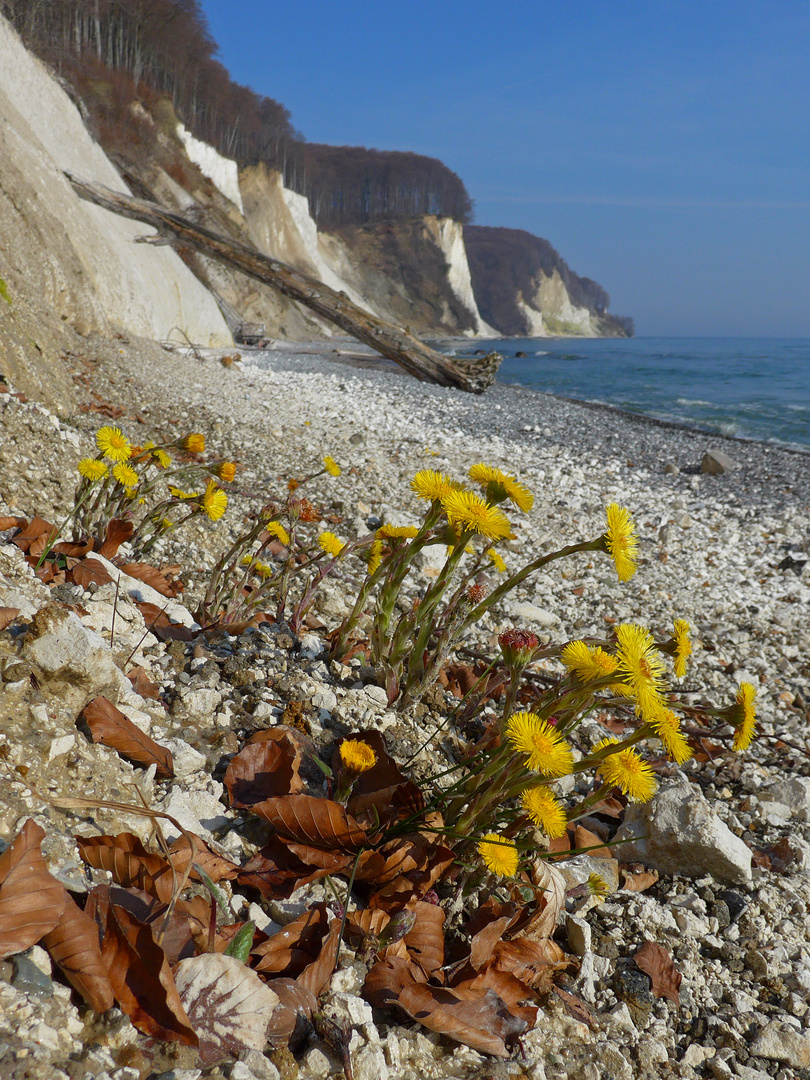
(473, 374)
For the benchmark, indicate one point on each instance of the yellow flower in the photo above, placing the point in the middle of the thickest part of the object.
(499, 854)
(597, 887)
(626, 770)
(125, 475)
(744, 716)
(586, 663)
(357, 756)
(178, 494)
(621, 541)
(432, 485)
(374, 555)
(113, 444)
(683, 646)
(92, 469)
(472, 514)
(397, 532)
(641, 667)
(166, 524)
(226, 471)
(194, 443)
(668, 729)
(497, 560)
(278, 530)
(162, 458)
(331, 466)
(331, 544)
(499, 485)
(545, 810)
(546, 750)
(214, 501)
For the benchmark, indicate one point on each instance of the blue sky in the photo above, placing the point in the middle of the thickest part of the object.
(662, 146)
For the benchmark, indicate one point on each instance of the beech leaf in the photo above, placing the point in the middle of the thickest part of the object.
(130, 864)
(31, 899)
(110, 727)
(263, 770)
(142, 684)
(149, 575)
(119, 530)
(228, 1005)
(655, 961)
(7, 616)
(74, 947)
(90, 572)
(306, 819)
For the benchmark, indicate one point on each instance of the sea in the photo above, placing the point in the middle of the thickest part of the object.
(752, 388)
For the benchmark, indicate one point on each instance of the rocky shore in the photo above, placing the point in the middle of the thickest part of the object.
(729, 834)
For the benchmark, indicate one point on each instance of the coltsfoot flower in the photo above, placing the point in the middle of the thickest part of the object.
(682, 646)
(431, 485)
(357, 756)
(499, 854)
(396, 532)
(545, 810)
(668, 729)
(194, 443)
(499, 485)
(471, 513)
(546, 750)
(374, 556)
(92, 469)
(275, 528)
(518, 646)
(331, 544)
(588, 664)
(625, 769)
(226, 471)
(744, 716)
(641, 667)
(125, 475)
(621, 541)
(331, 466)
(215, 501)
(496, 559)
(113, 444)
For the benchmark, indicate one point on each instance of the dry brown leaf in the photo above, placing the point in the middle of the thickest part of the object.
(584, 839)
(159, 623)
(74, 947)
(575, 1007)
(90, 572)
(383, 787)
(118, 532)
(149, 575)
(316, 976)
(8, 522)
(485, 1024)
(130, 864)
(110, 727)
(534, 963)
(277, 872)
(31, 899)
(295, 947)
(75, 551)
(142, 684)
(777, 857)
(425, 942)
(217, 867)
(7, 616)
(263, 770)
(141, 978)
(319, 823)
(637, 878)
(413, 866)
(551, 900)
(228, 1005)
(655, 961)
(37, 529)
(295, 1007)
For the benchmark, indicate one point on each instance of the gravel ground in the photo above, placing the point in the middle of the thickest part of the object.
(728, 552)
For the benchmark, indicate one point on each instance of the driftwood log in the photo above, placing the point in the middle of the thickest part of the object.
(473, 374)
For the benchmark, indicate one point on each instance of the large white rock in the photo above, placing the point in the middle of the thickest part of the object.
(679, 833)
(780, 1042)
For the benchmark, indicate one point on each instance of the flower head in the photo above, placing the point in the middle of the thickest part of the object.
(214, 501)
(125, 475)
(546, 750)
(682, 645)
(194, 443)
(499, 854)
(226, 471)
(597, 887)
(625, 769)
(588, 664)
(668, 729)
(374, 555)
(621, 541)
(357, 756)
(396, 532)
(331, 466)
(496, 559)
(432, 485)
(518, 646)
(331, 544)
(275, 528)
(641, 667)
(545, 810)
(92, 469)
(472, 514)
(113, 444)
(499, 485)
(744, 716)
(178, 493)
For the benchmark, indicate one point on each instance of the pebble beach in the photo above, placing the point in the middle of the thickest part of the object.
(729, 552)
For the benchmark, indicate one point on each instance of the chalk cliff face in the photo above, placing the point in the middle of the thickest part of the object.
(66, 260)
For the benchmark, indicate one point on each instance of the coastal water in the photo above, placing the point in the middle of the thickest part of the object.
(752, 388)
